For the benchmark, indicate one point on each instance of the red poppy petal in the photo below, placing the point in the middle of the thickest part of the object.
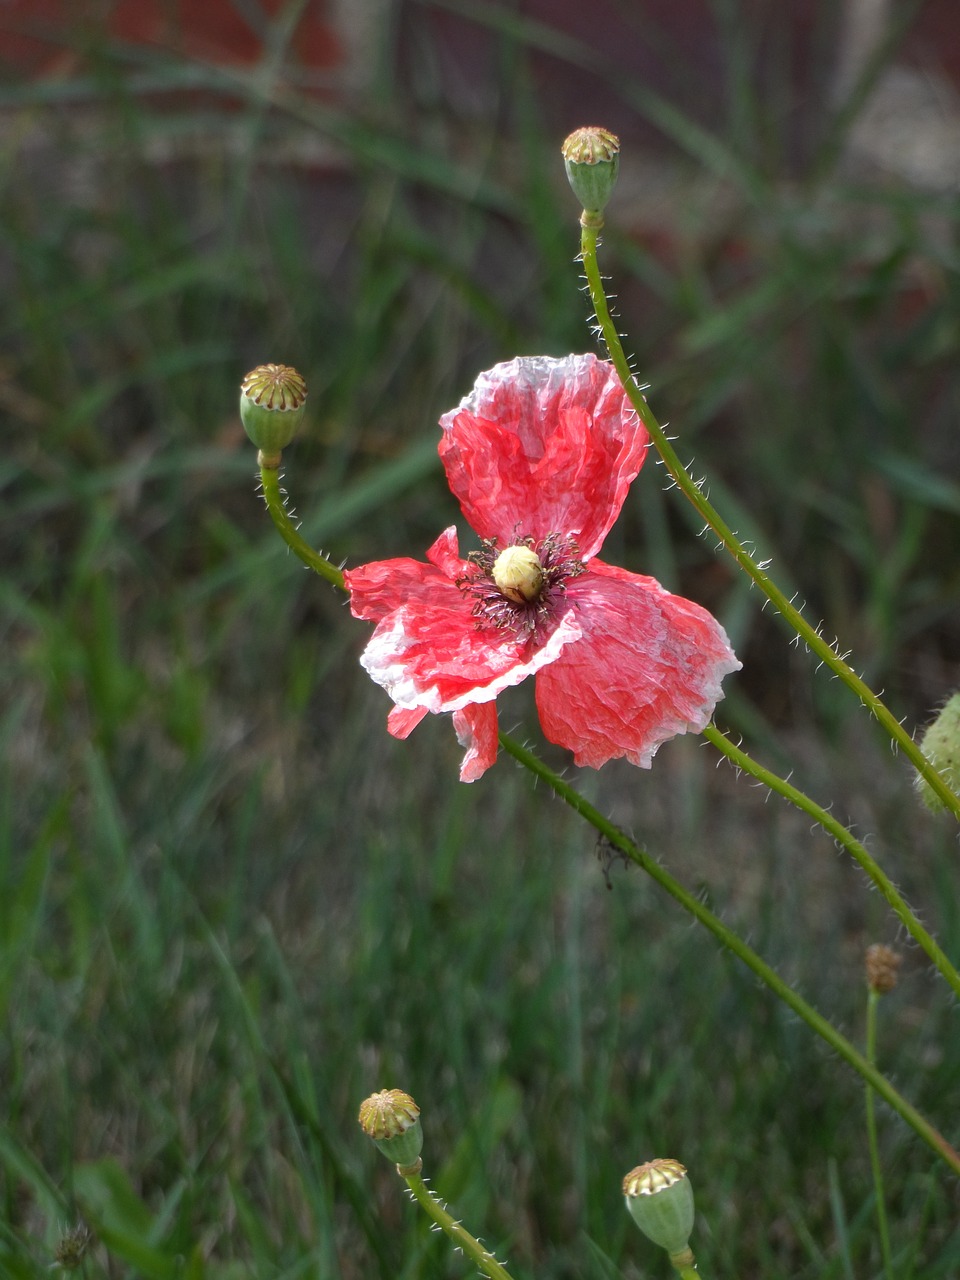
(445, 554)
(431, 654)
(378, 588)
(476, 729)
(402, 721)
(544, 445)
(648, 667)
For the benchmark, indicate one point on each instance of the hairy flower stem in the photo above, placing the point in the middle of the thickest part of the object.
(733, 942)
(473, 1249)
(274, 497)
(873, 999)
(693, 492)
(845, 838)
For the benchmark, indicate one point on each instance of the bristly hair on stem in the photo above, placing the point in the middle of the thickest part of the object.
(275, 499)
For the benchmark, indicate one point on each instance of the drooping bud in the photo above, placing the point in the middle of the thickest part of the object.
(392, 1119)
(882, 963)
(591, 157)
(940, 743)
(518, 573)
(273, 400)
(660, 1200)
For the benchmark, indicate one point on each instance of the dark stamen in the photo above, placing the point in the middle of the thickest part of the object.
(559, 557)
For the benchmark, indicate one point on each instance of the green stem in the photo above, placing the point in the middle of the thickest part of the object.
(275, 499)
(843, 837)
(694, 493)
(685, 1264)
(461, 1238)
(733, 942)
(873, 1000)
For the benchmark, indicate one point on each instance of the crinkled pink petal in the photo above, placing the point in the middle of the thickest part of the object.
(476, 729)
(544, 445)
(402, 721)
(376, 589)
(648, 667)
(445, 554)
(430, 652)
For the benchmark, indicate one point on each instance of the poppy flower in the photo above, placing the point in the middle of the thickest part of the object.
(540, 456)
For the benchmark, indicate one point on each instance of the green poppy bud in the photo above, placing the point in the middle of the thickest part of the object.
(392, 1119)
(940, 743)
(592, 160)
(660, 1200)
(273, 400)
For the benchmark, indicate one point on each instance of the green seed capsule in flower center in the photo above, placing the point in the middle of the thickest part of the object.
(518, 573)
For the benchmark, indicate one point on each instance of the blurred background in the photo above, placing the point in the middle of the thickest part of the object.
(230, 905)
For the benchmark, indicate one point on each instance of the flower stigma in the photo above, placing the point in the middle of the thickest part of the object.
(518, 573)
(518, 588)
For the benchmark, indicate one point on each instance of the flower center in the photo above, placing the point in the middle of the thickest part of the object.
(519, 588)
(518, 573)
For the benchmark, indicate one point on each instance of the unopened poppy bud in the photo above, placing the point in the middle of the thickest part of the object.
(273, 400)
(660, 1200)
(518, 573)
(940, 743)
(592, 159)
(392, 1119)
(882, 964)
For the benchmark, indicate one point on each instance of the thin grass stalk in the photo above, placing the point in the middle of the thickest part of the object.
(691, 490)
(300, 1108)
(876, 1168)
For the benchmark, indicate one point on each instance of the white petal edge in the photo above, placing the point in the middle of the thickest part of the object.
(542, 374)
(383, 661)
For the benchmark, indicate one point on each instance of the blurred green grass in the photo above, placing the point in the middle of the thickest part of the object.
(230, 905)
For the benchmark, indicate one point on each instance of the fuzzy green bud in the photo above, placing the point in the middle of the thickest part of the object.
(660, 1201)
(273, 399)
(591, 157)
(940, 743)
(392, 1119)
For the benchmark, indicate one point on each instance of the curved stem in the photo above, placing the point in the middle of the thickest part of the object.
(275, 498)
(848, 841)
(873, 1000)
(693, 492)
(733, 942)
(472, 1247)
